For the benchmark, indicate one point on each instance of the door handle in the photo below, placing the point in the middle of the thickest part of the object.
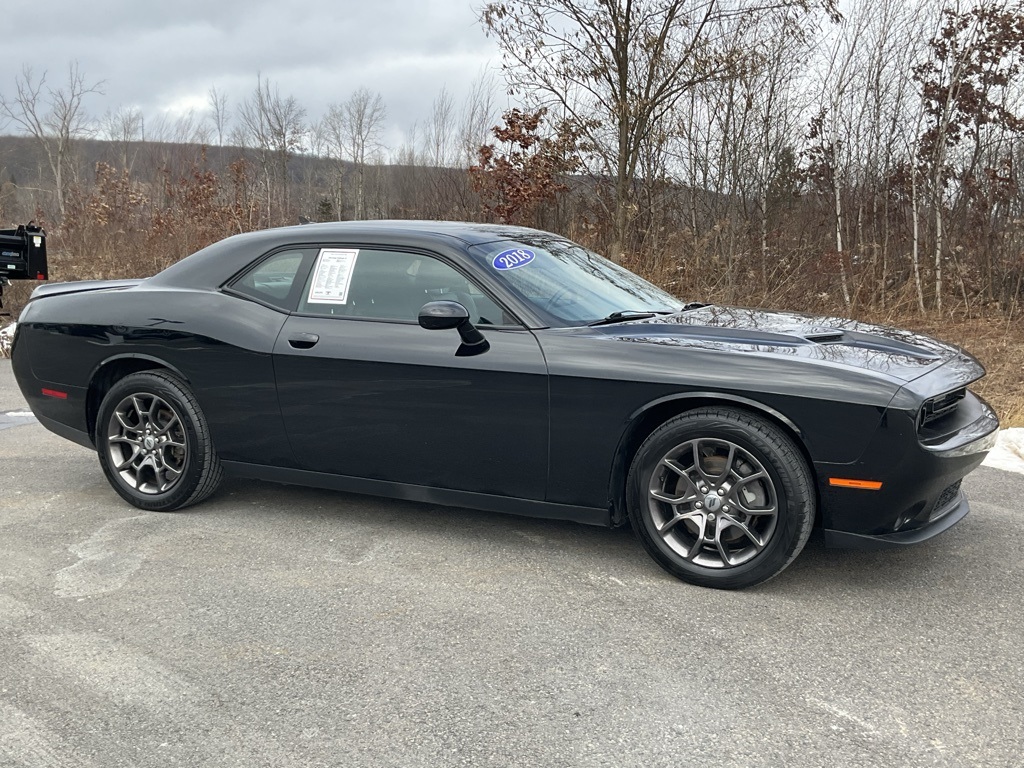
(303, 340)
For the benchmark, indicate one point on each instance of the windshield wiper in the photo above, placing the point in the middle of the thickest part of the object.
(627, 314)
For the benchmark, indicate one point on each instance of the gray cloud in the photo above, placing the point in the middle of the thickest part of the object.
(164, 57)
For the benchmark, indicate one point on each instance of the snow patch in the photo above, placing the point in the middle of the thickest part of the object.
(6, 340)
(1008, 453)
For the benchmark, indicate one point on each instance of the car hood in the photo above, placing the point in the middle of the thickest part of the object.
(901, 355)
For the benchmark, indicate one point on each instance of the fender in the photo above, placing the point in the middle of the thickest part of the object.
(628, 439)
(134, 356)
(93, 397)
(718, 396)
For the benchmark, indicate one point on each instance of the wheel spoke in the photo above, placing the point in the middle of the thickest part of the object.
(688, 495)
(682, 496)
(697, 462)
(129, 461)
(749, 479)
(737, 499)
(172, 422)
(676, 467)
(139, 410)
(728, 521)
(122, 419)
(741, 504)
(755, 512)
(662, 496)
(676, 519)
(701, 521)
(729, 462)
(698, 542)
(162, 483)
(720, 546)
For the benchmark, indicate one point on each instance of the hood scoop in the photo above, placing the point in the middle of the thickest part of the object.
(821, 335)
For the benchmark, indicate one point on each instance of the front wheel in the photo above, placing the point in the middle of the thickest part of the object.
(154, 443)
(721, 498)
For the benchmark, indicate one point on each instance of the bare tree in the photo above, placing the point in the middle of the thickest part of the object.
(619, 68)
(439, 135)
(354, 131)
(734, 145)
(219, 114)
(122, 128)
(55, 118)
(477, 118)
(976, 56)
(275, 126)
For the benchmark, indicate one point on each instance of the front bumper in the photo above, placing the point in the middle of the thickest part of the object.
(846, 540)
(920, 495)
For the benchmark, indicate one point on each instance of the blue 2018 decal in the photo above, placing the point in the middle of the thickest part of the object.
(513, 259)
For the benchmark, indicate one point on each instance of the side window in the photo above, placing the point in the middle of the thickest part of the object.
(391, 285)
(276, 280)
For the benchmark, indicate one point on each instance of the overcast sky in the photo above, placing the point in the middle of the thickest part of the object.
(163, 57)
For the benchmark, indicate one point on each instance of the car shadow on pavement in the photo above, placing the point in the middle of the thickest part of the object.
(563, 545)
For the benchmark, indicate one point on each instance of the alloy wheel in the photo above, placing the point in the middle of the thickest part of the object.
(146, 443)
(713, 503)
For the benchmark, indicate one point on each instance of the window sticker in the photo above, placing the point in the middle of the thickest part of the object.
(332, 276)
(513, 259)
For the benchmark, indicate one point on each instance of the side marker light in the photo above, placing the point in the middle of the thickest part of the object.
(864, 485)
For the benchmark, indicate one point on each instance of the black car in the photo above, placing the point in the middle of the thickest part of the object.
(507, 369)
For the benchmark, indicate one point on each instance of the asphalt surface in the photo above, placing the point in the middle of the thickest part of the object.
(277, 626)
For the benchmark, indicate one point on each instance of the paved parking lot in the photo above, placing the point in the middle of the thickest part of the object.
(277, 626)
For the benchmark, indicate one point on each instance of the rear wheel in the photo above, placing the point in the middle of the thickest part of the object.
(721, 498)
(154, 443)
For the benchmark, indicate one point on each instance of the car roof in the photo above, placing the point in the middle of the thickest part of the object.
(216, 263)
(472, 233)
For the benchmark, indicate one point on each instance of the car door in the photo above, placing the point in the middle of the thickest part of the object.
(366, 392)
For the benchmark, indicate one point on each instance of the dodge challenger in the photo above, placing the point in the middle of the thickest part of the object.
(507, 369)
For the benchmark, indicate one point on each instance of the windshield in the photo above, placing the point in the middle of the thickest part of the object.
(569, 285)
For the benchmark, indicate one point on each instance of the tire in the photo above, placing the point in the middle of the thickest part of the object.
(172, 465)
(721, 498)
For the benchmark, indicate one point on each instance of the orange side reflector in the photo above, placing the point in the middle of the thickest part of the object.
(865, 485)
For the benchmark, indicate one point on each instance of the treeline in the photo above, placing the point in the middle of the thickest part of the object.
(750, 152)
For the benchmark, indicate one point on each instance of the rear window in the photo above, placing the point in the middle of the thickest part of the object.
(278, 279)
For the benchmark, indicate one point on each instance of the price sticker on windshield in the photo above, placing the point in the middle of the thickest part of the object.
(513, 259)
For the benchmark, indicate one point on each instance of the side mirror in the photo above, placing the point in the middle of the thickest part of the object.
(445, 315)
